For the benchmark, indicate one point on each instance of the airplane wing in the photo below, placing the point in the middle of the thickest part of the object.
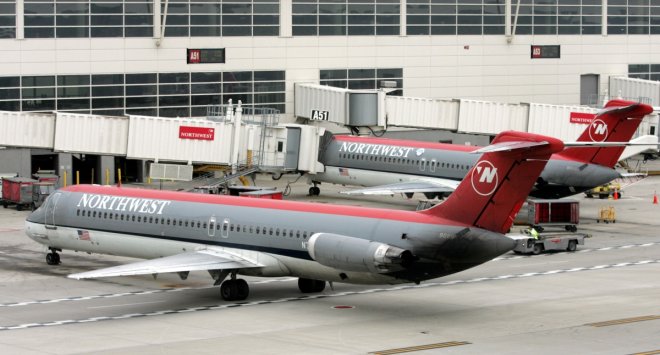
(437, 185)
(207, 259)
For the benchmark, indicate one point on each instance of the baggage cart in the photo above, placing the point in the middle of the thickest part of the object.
(17, 191)
(564, 213)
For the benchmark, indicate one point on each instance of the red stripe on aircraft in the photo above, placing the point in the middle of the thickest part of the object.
(406, 143)
(426, 145)
(310, 207)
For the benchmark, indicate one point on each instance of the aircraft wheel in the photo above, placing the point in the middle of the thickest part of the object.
(310, 286)
(314, 191)
(229, 290)
(319, 285)
(19, 207)
(572, 245)
(243, 289)
(538, 248)
(52, 259)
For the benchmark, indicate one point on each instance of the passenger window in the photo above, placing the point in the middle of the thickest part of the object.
(105, 214)
(231, 227)
(238, 228)
(224, 227)
(139, 219)
(270, 231)
(204, 225)
(304, 235)
(297, 234)
(185, 223)
(258, 230)
(199, 224)
(133, 218)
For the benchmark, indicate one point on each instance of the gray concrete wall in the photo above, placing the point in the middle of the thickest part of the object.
(14, 160)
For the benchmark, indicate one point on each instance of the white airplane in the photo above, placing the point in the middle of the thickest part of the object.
(181, 232)
(392, 166)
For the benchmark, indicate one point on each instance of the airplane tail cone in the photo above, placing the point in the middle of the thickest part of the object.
(655, 198)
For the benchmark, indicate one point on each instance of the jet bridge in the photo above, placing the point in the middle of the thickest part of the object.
(240, 140)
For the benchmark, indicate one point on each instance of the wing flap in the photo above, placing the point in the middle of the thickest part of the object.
(444, 185)
(192, 261)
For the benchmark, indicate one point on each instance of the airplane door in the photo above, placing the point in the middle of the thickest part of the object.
(225, 228)
(50, 210)
(211, 230)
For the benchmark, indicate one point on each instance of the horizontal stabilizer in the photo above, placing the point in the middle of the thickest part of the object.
(193, 261)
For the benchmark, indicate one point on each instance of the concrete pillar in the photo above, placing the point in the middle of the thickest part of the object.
(106, 169)
(65, 163)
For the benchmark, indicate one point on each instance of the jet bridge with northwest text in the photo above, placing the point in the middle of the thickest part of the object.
(240, 140)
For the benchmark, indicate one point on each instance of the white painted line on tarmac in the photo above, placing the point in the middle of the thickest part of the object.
(124, 304)
(319, 296)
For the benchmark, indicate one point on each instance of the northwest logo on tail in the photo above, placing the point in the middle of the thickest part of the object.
(598, 130)
(484, 178)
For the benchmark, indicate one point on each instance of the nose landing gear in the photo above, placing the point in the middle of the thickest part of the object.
(53, 258)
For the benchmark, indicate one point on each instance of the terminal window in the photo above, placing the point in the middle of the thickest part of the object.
(644, 71)
(345, 17)
(153, 94)
(363, 78)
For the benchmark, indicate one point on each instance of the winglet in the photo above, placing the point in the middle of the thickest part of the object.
(616, 123)
(495, 188)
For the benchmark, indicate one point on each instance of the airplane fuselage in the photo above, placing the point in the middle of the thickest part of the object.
(365, 161)
(149, 224)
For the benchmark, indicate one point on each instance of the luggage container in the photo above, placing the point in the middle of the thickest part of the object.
(17, 191)
(544, 214)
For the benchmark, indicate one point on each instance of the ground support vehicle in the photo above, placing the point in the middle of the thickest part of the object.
(604, 191)
(41, 191)
(557, 241)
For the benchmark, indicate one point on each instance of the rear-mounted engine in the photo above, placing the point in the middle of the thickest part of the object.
(353, 254)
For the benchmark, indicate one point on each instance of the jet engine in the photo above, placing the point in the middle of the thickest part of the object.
(354, 254)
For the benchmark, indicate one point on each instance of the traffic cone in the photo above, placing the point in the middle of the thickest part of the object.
(616, 194)
(655, 198)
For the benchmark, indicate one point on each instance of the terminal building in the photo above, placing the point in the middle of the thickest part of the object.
(174, 58)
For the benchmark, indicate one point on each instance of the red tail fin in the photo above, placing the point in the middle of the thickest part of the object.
(495, 188)
(617, 123)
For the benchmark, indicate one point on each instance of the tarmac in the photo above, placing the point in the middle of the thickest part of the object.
(602, 299)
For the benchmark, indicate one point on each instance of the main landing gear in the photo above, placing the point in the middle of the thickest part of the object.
(234, 290)
(238, 290)
(311, 286)
(53, 258)
(314, 190)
